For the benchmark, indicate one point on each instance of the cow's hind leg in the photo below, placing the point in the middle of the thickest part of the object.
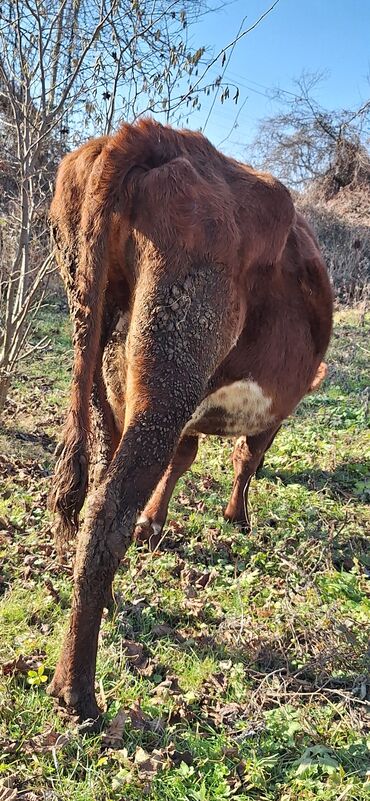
(151, 521)
(248, 456)
(170, 356)
(105, 536)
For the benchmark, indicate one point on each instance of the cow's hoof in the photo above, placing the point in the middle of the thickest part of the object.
(149, 532)
(79, 700)
(238, 520)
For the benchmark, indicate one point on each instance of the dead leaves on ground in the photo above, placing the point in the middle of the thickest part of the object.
(49, 740)
(138, 658)
(136, 719)
(20, 665)
(45, 742)
(22, 469)
(177, 706)
(190, 577)
(143, 764)
(168, 687)
(149, 763)
(10, 792)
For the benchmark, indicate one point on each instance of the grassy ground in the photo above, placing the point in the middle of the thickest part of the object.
(233, 666)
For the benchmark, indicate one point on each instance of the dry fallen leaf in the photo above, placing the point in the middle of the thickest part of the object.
(223, 714)
(7, 746)
(194, 606)
(215, 683)
(8, 791)
(52, 590)
(162, 630)
(30, 797)
(149, 764)
(47, 741)
(170, 686)
(178, 568)
(112, 737)
(137, 657)
(141, 721)
(134, 716)
(7, 794)
(177, 757)
(21, 665)
(181, 710)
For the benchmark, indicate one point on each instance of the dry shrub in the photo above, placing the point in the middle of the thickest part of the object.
(338, 208)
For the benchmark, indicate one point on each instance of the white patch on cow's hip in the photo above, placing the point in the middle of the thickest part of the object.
(237, 409)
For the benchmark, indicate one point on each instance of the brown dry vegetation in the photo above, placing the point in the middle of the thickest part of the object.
(338, 207)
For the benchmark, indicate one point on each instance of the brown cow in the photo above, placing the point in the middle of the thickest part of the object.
(224, 314)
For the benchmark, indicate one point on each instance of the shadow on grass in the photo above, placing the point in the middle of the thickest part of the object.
(339, 481)
(305, 659)
(226, 549)
(34, 438)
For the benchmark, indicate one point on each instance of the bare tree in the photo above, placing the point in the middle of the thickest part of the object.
(303, 140)
(67, 69)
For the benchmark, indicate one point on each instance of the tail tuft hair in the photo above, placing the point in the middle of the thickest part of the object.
(70, 480)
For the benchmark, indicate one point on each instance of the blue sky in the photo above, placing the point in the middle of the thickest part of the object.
(324, 35)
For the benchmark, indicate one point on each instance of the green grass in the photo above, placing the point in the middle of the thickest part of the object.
(265, 670)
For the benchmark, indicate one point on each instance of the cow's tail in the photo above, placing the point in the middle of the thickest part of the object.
(108, 190)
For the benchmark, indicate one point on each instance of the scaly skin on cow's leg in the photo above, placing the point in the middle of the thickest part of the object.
(151, 521)
(173, 349)
(105, 536)
(105, 437)
(247, 457)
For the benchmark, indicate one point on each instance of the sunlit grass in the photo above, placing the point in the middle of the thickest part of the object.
(257, 684)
